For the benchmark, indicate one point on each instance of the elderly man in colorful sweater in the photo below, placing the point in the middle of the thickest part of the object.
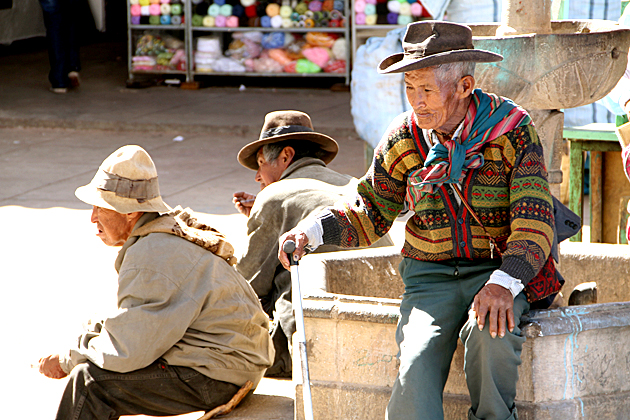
(459, 151)
(189, 331)
(290, 161)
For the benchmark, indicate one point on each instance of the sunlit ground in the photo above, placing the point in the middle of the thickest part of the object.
(56, 275)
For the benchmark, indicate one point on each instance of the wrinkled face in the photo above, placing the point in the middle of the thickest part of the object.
(113, 228)
(267, 173)
(433, 103)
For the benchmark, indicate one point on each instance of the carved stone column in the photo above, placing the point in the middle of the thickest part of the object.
(549, 124)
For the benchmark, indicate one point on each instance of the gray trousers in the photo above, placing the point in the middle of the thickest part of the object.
(434, 313)
(93, 393)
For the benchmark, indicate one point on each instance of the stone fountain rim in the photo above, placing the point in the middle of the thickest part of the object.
(608, 26)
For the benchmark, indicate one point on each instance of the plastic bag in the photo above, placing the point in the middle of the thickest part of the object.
(376, 98)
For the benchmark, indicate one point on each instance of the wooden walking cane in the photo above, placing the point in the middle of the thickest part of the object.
(289, 249)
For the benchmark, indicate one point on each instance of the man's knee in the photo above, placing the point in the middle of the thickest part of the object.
(482, 344)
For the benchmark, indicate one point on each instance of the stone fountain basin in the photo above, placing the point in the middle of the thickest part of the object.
(577, 64)
(575, 360)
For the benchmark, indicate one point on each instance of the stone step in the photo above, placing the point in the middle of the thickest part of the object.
(272, 400)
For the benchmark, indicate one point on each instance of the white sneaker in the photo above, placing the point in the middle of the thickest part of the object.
(59, 90)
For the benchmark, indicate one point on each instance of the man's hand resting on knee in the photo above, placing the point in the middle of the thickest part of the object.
(497, 302)
(49, 366)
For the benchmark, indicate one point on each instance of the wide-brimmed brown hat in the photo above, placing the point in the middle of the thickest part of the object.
(287, 125)
(430, 43)
(125, 182)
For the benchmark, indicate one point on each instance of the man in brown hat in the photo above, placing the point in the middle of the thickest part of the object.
(290, 160)
(471, 167)
(189, 330)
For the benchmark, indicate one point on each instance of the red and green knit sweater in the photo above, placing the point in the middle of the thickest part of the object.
(509, 193)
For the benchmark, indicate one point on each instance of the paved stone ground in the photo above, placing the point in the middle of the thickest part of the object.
(57, 274)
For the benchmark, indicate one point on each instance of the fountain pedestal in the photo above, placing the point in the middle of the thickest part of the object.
(550, 65)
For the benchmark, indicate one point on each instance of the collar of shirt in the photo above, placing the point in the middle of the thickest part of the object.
(431, 138)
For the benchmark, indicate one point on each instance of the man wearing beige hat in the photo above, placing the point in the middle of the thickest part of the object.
(471, 167)
(290, 160)
(189, 330)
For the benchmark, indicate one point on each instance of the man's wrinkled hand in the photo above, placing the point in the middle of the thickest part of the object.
(300, 240)
(497, 303)
(243, 202)
(49, 366)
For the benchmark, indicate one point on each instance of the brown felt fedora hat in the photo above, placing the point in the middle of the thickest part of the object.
(430, 43)
(125, 182)
(287, 125)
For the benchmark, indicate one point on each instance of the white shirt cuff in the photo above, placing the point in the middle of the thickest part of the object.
(503, 279)
(312, 228)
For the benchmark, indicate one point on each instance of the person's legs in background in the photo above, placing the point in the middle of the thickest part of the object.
(63, 50)
(73, 63)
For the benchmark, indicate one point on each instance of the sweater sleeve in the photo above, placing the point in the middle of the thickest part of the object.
(153, 315)
(531, 208)
(363, 218)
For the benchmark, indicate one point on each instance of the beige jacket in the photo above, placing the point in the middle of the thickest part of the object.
(184, 304)
(306, 187)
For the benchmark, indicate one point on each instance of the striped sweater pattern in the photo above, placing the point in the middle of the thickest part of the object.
(509, 193)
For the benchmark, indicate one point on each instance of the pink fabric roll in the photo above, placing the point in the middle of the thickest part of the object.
(359, 6)
(135, 10)
(165, 1)
(220, 21)
(154, 10)
(359, 18)
(232, 22)
(416, 9)
(317, 55)
(371, 1)
(315, 6)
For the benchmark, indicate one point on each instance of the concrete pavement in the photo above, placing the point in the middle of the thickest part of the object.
(56, 273)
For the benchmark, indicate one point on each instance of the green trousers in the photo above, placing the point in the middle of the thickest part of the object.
(434, 314)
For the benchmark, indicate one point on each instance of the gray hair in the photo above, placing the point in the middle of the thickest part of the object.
(271, 151)
(451, 73)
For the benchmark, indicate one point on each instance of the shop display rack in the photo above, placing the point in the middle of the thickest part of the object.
(145, 58)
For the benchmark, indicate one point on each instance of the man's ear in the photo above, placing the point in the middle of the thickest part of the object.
(466, 86)
(287, 155)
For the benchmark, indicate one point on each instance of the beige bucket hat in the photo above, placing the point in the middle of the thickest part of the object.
(125, 182)
(287, 125)
(430, 43)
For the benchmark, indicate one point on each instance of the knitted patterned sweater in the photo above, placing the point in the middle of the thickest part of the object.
(509, 193)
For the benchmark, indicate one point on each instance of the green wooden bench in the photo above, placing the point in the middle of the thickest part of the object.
(595, 138)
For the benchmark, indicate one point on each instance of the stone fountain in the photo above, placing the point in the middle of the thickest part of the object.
(550, 65)
(575, 362)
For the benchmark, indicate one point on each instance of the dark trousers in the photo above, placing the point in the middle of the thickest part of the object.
(60, 18)
(434, 314)
(93, 393)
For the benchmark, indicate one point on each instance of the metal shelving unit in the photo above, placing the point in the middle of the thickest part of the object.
(345, 31)
(190, 33)
(131, 28)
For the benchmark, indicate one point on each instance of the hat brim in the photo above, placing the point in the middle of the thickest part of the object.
(399, 63)
(109, 200)
(247, 155)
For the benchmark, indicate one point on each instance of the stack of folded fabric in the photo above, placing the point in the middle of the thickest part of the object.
(155, 52)
(143, 63)
(156, 12)
(273, 52)
(207, 53)
(392, 12)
